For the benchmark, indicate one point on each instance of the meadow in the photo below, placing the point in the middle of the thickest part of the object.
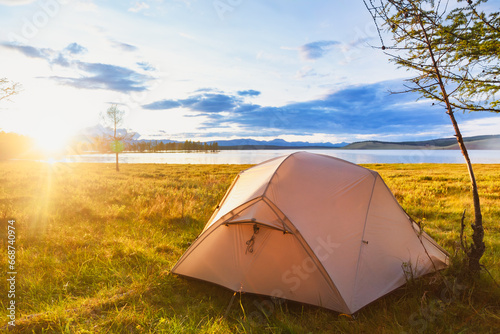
(94, 249)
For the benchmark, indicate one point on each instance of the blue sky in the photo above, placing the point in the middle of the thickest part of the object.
(210, 70)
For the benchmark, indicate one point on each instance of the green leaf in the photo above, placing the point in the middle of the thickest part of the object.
(117, 146)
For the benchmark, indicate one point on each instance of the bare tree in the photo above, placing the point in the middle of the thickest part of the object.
(113, 117)
(8, 88)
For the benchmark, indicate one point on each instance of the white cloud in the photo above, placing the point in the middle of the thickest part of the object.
(123, 46)
(86, 6)
(273, 57)
(138, 7)
(483, 126)
(16, 2)
(227, 56)
(188, 36)
(307, 71)
(317, 49)
(290, 48)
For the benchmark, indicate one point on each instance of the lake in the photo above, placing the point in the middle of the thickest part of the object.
(257, 156)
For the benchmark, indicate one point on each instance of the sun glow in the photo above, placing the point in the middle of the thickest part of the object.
(49, 142)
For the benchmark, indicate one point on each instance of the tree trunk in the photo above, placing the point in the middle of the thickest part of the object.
(477, 248)
(117, 168)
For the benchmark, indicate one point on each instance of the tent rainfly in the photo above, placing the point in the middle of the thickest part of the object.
(314, 229)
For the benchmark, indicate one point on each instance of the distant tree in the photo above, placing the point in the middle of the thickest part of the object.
(443, 47)
(100, 143)
(113, 117)
(160, 146)
(13, 145)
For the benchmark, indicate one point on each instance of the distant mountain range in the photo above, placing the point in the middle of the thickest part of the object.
(487, 142)
(253, 144)
(490, 142)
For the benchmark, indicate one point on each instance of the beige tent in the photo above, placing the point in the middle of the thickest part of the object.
(313, 229)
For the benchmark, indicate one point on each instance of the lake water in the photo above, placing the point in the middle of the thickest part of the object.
(257, 156)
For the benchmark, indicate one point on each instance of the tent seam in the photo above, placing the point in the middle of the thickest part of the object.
(319, 264)
(309, 251)
(219, 205)
(275, 172)
(361, 245)
(268, 202)
(205, 234)
(421, 233)
(197, 241)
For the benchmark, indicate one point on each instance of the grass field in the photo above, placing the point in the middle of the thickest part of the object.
(94, 248)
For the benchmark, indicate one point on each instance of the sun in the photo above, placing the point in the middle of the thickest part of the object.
(51, 142)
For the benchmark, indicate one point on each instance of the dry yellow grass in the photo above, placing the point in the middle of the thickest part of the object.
(94, 249)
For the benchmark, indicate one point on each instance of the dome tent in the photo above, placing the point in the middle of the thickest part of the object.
(314, 229)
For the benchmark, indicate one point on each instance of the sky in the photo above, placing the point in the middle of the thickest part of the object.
(210, 70)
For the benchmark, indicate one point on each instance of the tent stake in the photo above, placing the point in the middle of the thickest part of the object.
(230, 304)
